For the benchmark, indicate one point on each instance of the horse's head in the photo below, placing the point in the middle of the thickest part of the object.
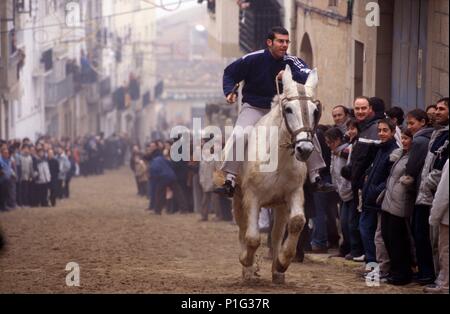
(301, 113)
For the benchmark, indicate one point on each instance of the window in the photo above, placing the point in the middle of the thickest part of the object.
(105, 87)
(255, 22)
(134, 89)
(146, 99)
(210, 4)
(47, 59)
(12, 42)
(358, 83)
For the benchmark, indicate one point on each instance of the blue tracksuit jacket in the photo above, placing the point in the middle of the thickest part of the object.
(259, 69)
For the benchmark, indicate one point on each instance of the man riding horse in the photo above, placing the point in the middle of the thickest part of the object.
(259, 70)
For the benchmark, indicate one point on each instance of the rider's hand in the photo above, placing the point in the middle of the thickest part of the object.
(280, 75)
(231, 98)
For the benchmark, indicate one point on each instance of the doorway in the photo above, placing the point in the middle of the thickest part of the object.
(409, 54)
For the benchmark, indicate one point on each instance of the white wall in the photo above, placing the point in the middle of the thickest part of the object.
(30, 114)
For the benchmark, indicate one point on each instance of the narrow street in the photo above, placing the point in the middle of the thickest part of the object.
(121, 248)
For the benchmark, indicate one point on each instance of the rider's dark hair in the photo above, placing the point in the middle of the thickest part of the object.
(277, 30)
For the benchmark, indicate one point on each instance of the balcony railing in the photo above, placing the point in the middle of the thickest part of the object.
(57, 92)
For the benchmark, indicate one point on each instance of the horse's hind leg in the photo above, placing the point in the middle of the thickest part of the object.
(278, 231)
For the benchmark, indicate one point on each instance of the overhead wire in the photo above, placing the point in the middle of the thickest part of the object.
(65, 32)
(155, 6)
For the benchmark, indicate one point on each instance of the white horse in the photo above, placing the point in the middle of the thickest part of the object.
(296, 114)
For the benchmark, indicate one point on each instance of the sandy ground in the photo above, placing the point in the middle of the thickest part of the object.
(121, 248)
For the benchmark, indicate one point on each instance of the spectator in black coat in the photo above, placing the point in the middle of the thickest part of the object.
(374, 184)
(53, 165)
(364, 149)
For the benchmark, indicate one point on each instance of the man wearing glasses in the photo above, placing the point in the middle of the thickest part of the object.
(258, 70)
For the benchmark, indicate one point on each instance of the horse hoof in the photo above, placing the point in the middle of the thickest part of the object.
(279, 267)
(278, 278)
(249, 273)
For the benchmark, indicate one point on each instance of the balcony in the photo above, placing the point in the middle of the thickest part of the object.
(58, 92)
(9, 71)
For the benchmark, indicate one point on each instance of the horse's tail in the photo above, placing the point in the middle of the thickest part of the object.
(238, 208)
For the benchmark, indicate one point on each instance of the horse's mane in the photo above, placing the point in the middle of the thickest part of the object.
(275, 101)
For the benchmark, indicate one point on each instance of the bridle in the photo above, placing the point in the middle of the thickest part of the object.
(310, 131)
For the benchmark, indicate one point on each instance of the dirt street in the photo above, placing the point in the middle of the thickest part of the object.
(121, 248)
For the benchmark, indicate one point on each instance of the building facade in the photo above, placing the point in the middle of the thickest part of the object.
(393, 49)
(12, 58)
(62, 61)
(402, 57)
(189, 70)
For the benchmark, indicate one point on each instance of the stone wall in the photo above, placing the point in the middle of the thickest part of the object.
(438, 50)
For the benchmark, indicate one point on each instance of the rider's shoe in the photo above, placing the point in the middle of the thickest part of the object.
(227, 189)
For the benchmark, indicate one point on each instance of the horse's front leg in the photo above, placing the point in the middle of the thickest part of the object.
(252, 238)
(281, 215)
(296, 223)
